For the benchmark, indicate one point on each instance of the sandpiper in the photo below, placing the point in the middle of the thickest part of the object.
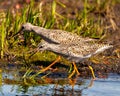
(75, 53)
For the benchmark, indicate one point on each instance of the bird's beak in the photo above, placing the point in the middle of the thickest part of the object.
(20, 31)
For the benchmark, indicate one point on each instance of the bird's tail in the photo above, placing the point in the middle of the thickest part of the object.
(105, 47)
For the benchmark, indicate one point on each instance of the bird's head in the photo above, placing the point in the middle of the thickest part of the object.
(26, 27)
(42, 46)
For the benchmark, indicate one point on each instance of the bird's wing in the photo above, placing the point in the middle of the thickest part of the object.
(85, 48)
(59, 36)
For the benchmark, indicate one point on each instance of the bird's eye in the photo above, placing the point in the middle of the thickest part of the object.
(41, 46)
(23, 27)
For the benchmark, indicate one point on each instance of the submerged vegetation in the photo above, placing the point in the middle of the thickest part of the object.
(91, 18)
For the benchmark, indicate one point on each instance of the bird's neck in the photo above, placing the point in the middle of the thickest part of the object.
(38, 30)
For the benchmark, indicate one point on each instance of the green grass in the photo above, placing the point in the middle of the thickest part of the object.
(83, 24)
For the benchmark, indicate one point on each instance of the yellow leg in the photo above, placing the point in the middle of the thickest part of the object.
(45, 69)
(93, 74)
(75, 70)
(57, 60)
(75, 67)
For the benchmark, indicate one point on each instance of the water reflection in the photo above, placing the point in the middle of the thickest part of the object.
(55, 87)
(42, 90)
(101, 87)
(104, 87)
(13, 85)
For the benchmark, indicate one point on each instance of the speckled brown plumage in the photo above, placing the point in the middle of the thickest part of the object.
(54, 36)
(74, 52)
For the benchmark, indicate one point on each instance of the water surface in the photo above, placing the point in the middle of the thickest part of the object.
(12, 84)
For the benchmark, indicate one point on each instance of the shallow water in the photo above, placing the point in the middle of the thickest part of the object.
(12, 85)
(104, 87)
